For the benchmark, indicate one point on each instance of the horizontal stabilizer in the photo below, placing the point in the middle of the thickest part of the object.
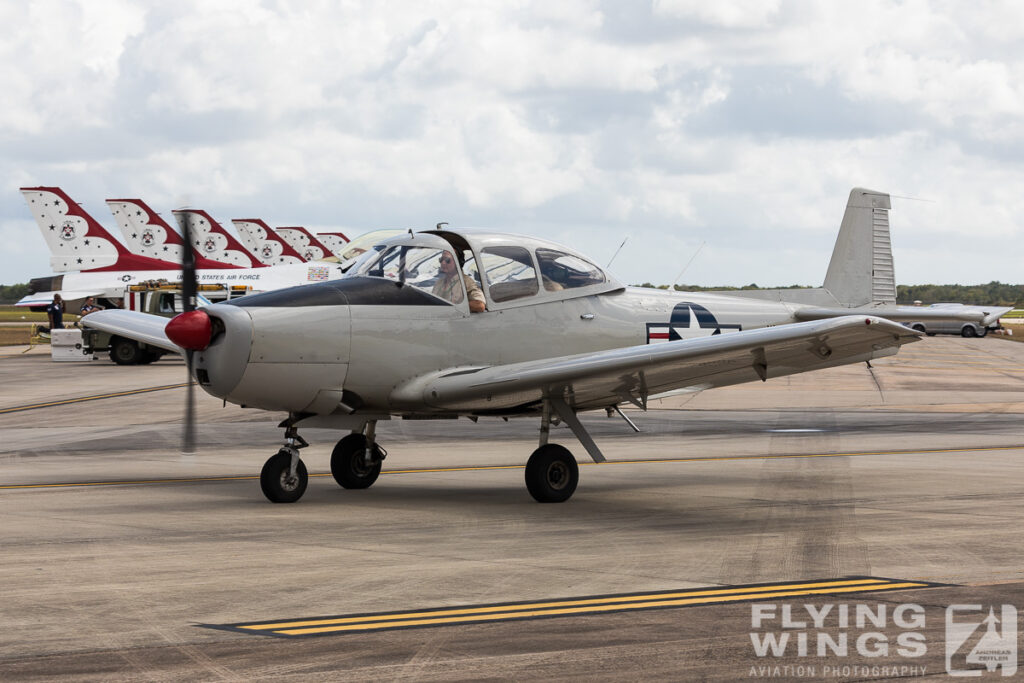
(975, 314)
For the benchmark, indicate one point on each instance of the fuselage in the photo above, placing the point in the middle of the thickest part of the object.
(348, 345)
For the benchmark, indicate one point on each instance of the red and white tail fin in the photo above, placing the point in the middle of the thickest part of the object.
(76, 240)
(146, 233)
(265, 244)
(305, 243)
(210, 240)
(335, 241)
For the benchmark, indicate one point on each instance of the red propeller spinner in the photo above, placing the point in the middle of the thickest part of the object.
(190, 330)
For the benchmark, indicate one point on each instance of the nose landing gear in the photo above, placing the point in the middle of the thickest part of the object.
(284, 475)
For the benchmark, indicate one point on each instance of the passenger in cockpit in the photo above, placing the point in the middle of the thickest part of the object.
(447, 286)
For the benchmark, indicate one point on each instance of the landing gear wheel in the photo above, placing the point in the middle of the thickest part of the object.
(277, 482)
(551, 474)
(126, 352)
(348, 463)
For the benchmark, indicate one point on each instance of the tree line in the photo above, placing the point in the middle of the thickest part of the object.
(10, 294)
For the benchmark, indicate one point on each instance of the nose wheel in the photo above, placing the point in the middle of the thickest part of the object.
(284, 477)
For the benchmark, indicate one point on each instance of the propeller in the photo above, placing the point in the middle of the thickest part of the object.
(189, 290)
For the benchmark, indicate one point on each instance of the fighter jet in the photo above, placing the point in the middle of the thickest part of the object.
(88, 261)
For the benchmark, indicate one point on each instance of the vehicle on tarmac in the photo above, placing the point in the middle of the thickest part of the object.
(958, 327)
(158, 298)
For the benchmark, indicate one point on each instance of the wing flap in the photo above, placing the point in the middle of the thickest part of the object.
(634, 373)
(142, 327)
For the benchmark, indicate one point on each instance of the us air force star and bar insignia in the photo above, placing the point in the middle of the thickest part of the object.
(688, 321)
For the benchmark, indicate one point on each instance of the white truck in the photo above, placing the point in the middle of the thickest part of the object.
(158, 298)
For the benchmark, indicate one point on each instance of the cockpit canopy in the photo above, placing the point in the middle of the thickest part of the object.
(511, 270)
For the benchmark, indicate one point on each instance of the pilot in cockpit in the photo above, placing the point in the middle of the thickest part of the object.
(447, 285)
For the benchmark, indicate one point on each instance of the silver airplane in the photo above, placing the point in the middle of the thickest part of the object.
(397, 337)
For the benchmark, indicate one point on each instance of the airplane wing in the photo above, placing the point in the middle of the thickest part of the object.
(142, 327)
(633, 373)
(46, 298)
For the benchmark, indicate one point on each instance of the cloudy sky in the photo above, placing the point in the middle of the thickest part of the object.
(729, 133)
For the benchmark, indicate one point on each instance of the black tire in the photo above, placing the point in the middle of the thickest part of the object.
(968, 331)
(918, 327)
(984, 331)
(126, 351)
(275, 482)
(552, 474)
(348, 463)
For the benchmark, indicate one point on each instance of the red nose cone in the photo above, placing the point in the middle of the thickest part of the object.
(190, 330)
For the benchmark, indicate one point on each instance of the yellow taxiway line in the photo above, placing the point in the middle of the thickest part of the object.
(568, 607)
(480, 468)
(96, 397)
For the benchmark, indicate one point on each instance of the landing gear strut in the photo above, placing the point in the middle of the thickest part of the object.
(356, 460)
(551, 472)
(284, 475)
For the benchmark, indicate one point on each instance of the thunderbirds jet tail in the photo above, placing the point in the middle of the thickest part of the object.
(147, 234)
(77, 241)
(861, 277)
(305, 243)
(265, 244)
(212, 241)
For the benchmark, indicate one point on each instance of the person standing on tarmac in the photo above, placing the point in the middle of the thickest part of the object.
(55, 313)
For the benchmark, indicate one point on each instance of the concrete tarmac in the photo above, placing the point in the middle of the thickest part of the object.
(125, 560)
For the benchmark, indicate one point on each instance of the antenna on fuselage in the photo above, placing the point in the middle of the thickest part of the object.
(438, 227)
(617, 252)
(678, 277)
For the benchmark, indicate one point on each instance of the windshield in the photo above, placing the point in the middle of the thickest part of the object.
(431, 269)
(361, 244)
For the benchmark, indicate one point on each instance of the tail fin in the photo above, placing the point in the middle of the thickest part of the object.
(265, 244)
(76, 240)
(210, 240)
(861, 269)
(305, 243)
(335, 241)
(147, 234)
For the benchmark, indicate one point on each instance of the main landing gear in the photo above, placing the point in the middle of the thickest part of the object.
(551, 472)
(355, 464)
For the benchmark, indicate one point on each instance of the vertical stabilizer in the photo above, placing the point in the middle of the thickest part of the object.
(305, 243)
(76, 240)
(210, 240)
(861, 269)
(265, 244)
(147, 234)
(335, 241)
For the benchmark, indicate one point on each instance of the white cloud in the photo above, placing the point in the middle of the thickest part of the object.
(740, 124)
